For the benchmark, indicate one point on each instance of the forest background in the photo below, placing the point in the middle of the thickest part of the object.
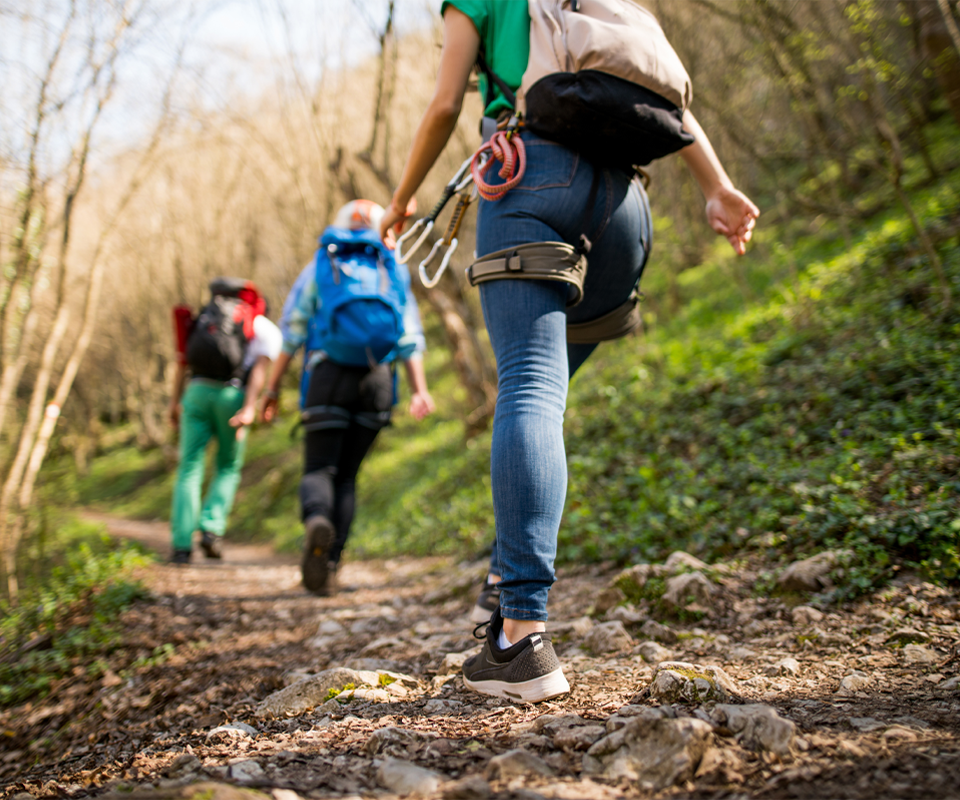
(802, 398)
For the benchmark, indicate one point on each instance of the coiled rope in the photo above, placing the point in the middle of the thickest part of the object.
(508, 150)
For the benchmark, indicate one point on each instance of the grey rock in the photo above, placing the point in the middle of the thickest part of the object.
(785, 666)
(578, 738)
(437, 707)
(855, 682)
(805, 615)
(182, 765)
(919, 656)
(657, 630)
(608, 637)
(628, 614)
(688, 588)
(679, 560)
(949, 685)
(515, 764)
(550, 724)
(679, 681)
(237, 729)
(865, 724)
(395, 741)
(405, 778)
(810, 574)
(330, 627)
(608, 599)
(373, 665)
(453, 662)
(579, 627)
(655, 752)
(757, 727)
(247, 772)
(306, 694)
(472, 788)
(653, 653)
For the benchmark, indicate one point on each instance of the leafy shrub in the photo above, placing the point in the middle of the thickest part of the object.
(70, 622)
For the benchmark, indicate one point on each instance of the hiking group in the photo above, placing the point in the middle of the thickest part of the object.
(578, 94)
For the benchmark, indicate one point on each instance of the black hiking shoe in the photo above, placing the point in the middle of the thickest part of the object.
(487, 603)
(315, 568)
(528, 672)
(181, 557)
(211, 544)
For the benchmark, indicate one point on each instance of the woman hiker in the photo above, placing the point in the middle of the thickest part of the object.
(527, 321)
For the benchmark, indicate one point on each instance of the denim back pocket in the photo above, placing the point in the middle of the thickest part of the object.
(549, 165)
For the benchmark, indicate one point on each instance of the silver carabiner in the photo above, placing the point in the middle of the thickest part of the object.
(429, 283)
(424, 223)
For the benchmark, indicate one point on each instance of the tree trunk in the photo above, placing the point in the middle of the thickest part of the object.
(941, 49)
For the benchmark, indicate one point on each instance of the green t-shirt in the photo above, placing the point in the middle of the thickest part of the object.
(504, 28)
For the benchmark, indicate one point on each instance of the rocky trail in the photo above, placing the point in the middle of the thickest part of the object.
(234, 683)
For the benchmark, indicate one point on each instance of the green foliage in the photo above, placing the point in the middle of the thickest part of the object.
(69, 622)
(825, 414)
(804, 397)
(333, 693)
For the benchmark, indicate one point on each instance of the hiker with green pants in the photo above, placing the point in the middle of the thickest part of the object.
(228, 350)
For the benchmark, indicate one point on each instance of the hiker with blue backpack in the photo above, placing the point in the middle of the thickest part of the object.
(577, 94)
(353, 312)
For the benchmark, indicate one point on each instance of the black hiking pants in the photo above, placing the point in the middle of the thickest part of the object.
(345, 409)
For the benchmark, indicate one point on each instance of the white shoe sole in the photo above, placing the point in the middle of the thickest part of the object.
(546, 687)
(480, 615)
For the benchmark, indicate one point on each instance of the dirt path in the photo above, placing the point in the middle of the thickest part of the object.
(860, 702)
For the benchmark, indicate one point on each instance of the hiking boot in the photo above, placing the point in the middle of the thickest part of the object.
(528, 672)
(315, 567)
(181, 557)
(333, 585)
(487, 603)
(211, 544)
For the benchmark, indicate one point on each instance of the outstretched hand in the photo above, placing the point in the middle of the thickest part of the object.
(269, 407)
(732, 214)
(393, 222)
(421, 405)
(244, 416)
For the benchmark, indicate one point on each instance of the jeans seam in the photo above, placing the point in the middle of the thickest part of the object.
(607, 206)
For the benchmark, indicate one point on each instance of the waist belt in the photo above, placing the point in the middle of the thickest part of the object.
(542, 261)
(320, 418)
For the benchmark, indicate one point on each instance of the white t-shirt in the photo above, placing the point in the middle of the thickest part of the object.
(267, 341)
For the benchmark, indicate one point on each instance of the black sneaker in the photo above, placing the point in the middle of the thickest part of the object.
(487, 603)
(315, 568)
(211, 544)
(180, 557)
(528, 672)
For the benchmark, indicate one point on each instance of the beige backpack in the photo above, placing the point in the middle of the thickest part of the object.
(602, 79)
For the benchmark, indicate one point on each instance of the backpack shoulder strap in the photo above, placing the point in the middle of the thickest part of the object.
(494, 79)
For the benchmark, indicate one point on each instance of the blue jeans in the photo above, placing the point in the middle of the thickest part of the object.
(527, 322)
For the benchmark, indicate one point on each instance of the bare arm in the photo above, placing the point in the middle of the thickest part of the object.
(258, 376)
(421, 403)
(179, 379)
(461, 43)
(269, 406)
(729, 211)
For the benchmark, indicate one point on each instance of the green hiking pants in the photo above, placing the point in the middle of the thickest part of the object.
(207, 409)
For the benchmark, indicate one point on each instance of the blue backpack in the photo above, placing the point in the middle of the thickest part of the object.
(361, 299)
